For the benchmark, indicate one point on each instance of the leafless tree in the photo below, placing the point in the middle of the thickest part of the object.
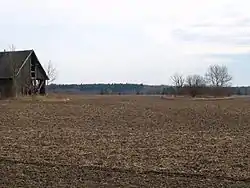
(51, 72)
(178, 80)
(195, 81)
(218, 76)
(194, 84)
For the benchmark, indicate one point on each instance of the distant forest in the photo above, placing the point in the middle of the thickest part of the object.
(128, 89)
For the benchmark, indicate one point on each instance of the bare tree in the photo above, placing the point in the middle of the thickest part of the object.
(178, 81)
(195, 81)
(51, 72)
(218, 76)
(194, 84)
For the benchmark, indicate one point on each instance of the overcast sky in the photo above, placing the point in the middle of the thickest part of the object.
(138, 41)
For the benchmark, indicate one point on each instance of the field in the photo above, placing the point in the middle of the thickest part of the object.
(124, 141)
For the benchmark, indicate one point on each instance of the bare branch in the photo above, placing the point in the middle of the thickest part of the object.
(195, 81)
(12, 48)
(218, 76)
(178, 80)
(51, 72)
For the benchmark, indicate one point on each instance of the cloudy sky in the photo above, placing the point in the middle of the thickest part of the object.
(139, 41)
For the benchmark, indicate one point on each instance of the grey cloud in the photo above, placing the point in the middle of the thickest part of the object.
(244, 22)
(189, 35)
(240, 22)
(243, 57)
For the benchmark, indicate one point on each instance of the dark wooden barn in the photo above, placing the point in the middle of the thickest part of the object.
(21, 73)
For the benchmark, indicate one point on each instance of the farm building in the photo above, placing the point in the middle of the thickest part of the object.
(21, 73)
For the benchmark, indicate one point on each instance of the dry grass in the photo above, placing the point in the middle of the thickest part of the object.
(124, 141)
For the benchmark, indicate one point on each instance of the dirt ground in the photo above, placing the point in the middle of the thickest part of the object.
(124, 141)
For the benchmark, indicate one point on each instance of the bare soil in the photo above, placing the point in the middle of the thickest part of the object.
(124, 141)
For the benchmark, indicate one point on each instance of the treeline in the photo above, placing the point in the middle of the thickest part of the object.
(97, 88)
(139, 89)
(116, 89)
(215, 82)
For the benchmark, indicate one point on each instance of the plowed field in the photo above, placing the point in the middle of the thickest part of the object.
(124, 141)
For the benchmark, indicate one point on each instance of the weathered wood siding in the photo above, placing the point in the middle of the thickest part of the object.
(6, 88)
(23, 82)
(23, 78)
(39, 73)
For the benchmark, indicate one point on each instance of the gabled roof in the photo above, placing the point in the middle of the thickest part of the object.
(16, 57)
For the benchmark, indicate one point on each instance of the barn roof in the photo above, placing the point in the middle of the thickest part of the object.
(18, 58)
